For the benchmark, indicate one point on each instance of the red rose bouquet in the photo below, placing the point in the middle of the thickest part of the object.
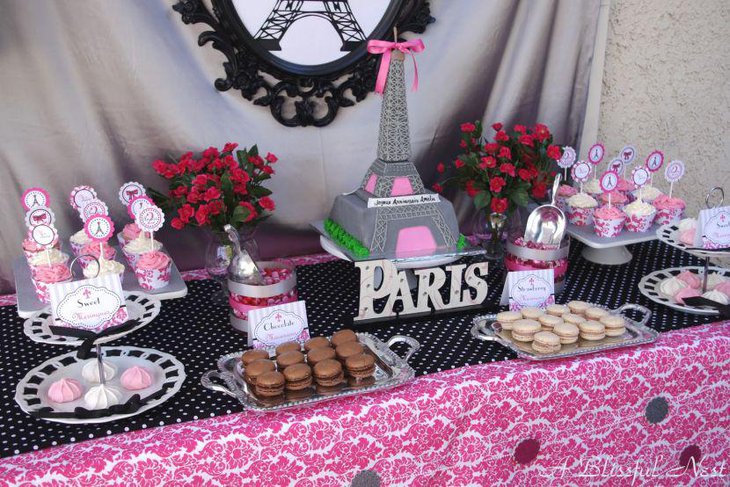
(503, 174)
(217, 189)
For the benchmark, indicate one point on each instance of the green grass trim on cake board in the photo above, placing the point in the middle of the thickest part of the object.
(340, 236)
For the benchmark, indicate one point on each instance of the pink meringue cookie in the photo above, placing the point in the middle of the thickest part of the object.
(687, 292)
(136, 378)
(691, 279)
(688, 236)
(724, 288)
(65, 390)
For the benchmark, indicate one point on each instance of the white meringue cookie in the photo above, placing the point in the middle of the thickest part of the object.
(671, 286)
(687, 223)
(90, 371)
(102, 397)
(715, 279)
(716, 296)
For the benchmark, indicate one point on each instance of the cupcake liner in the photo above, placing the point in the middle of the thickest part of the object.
(150, 279)
(132, 258)
(41, 289)
(562, 202)
(608, 227)
(75, 248)
(638, 223)
(580, 216)
(665, 216)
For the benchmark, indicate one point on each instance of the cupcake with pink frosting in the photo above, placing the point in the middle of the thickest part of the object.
(608, 221)
(565, 191)
(95, 249)
(128, 233)
(648, 193)
(640, 216)
(138, 247)
(668, 210)
(48, 257)
(618, 199)
(625, 185)
(580, 209)
(153, 270)
(31, 248)
(45, 275)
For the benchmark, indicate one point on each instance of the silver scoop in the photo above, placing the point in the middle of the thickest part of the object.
(546, 223)
(242, 267)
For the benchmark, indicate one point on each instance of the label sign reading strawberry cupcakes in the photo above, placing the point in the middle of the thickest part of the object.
(129, 191)
(34, 197)
(278, 324)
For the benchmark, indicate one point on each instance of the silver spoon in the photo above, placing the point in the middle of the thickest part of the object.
(546, 223)
(242, 266)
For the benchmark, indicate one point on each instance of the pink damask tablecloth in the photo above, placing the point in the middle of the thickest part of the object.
(632, 417)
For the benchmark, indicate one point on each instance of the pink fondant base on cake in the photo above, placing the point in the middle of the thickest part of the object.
(370, 186)
(413, 240)
(401, 187)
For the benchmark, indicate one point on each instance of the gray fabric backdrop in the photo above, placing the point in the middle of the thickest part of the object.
(91, 92)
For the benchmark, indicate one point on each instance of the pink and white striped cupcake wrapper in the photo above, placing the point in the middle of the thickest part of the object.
(607, 228)
(668, 215)
(638, 223)
(151, 279)
(580, 216)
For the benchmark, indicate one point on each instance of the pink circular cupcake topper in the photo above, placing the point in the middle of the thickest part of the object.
(40, 215)
(595, 154)
(137, 203)
(674, 171)
(44, 235)
(640, 176)
(568, 157)
(92, 208)
(33, 197)
(616, 165)
(609, 181)
(150, 218)
(129, 191)
(581, 171)
(99, 228)
(80, 195)
(654, 161)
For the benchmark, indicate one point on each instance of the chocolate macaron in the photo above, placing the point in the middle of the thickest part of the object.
(328, 373)
(288, 359)
(318, 354)
(348, 350)
(360, 366)
(256, 368)
(288, 347)
(298, 377)
(316, 342)
(343, 336)
(270, 384)
(251, 355)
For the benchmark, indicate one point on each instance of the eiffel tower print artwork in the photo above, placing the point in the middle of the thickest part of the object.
(286, 12)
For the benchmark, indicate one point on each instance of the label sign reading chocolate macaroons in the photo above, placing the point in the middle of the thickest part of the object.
(568, 157)
(80, 195)
(596, 152)
(137, 203)
(40, 215)
(640, 176)
(92, 208)
(33, 197)
(616, 165)
(44, 235)
(627, 154)
(609, 181)
(99, 228)
(581, 171)
(129, 191)
(278, 324)
(654, 161)
(150, 218)
(674, 171)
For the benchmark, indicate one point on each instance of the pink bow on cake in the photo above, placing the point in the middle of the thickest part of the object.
(384, 48)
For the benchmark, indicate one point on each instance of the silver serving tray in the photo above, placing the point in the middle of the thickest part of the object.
(390, 371)
(487, 329)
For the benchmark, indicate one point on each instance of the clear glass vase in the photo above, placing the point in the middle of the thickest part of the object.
(218, 255)
(488, 228)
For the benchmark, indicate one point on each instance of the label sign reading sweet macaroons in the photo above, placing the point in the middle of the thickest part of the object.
(129, 191)
(278, 324)
(581, 171)
(713, 228)
(150, 218)
(40, 215)
(627, 154)
(99, 228)
(568, 157)
(92, 208)
(137, 203)
(80, 195)
(654, 161)
(33, 197)
(44, 235)
(609, 181)
(674, 171)
(616, 165)
(596, 152)
(640, 176)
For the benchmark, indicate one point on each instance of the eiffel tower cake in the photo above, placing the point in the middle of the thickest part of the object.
(391, 214)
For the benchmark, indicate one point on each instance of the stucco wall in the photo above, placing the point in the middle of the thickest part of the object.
(666, 85)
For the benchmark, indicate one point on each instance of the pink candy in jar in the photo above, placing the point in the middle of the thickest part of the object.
(279, 287)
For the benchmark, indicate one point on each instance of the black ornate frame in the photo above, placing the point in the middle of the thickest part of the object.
(311, 95)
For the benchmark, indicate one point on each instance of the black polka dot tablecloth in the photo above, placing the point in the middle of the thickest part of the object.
(197, 332)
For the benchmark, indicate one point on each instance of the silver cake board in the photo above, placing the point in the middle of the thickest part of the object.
(611, 250)
(29, 304)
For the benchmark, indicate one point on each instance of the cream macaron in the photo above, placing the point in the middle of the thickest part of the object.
(557, 309)
(548, 322)
(578, 307)
(592, 330)
(567, 332)
(595, 313)
(546, 342)
(507, 318)
(573, 319)
(615, 325)
(523, 330)
(531, 313)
